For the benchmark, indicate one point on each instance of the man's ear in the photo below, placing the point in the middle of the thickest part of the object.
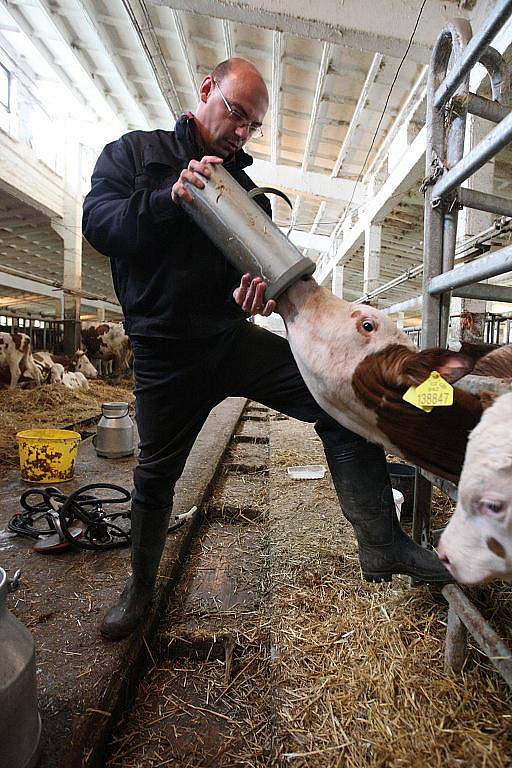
(206, 88)
(451, 365)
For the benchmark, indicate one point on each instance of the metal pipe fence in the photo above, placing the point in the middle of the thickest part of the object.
(446, 170)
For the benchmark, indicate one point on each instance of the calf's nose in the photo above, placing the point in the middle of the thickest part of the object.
(443, 556)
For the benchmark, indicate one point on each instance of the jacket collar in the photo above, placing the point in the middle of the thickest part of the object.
(186, 131)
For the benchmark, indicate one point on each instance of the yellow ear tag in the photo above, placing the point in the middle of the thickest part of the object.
(433, 392)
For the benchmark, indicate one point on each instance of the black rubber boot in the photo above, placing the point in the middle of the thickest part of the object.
(149, 532)
(366, 498)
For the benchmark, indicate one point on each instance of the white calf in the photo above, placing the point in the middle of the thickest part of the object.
(476, 546)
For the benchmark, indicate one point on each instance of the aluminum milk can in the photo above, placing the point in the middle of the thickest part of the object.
(115, 435)
(20, 724)
(245, 234)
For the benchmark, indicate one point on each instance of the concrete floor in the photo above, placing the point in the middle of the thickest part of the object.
(83, 680)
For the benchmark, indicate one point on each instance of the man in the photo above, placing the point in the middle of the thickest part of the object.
(185, 311)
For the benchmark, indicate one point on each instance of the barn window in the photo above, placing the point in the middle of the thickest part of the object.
(5, 87)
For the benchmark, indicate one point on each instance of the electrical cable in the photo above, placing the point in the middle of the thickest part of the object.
(349, 210)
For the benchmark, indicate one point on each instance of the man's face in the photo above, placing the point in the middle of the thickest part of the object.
(246, 94)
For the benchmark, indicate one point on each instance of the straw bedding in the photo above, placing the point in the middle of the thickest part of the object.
(51, 406)
(329, 671)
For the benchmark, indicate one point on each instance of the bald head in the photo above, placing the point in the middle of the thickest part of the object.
(233, 103)
(241, 69)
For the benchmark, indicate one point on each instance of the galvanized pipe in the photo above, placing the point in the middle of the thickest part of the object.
(499, 73)
(490, 145)
(453, 39)
(487, 109)
(244, 233)
(472, 198)
(462, 66)
(485, 292)
(487, 639)
(486, 266)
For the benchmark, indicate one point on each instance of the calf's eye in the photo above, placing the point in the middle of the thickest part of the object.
(368, 325)
(490, 506)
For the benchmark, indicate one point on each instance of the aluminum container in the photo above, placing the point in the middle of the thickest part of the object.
(20, 724)
(115, 435)
(245, 234)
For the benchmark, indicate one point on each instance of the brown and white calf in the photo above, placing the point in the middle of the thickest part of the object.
(79, 363)
(358, 366)
(108, 346)
(70, 379)
(476, 546)
(16, 359)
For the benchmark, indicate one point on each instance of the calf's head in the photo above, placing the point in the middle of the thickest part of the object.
(476, 546)
(84, 365)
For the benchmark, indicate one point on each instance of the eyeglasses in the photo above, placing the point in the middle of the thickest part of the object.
(253, 129)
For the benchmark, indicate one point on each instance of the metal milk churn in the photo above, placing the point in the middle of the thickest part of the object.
(20, 724)
(245, 234)
(115, 435)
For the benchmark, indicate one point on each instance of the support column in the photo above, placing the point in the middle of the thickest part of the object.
(372, 247)
(70, 230)
(337, 281)
(400, 320)
(470, 323)
(100, 314)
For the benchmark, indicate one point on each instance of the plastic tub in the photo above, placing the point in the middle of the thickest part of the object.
(307, 472)
(47, 455)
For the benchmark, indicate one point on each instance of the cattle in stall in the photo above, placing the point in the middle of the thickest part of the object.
(70, 379)
(497, 363)
(476, 545)
(79, 363)
(16, 359)
(358, 366)
(108, 346)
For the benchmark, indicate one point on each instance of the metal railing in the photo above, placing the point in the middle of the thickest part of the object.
(497, 329)
(448, 102)
(44, 334)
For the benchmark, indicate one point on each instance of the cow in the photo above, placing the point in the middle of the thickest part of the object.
(476, 546)
(358, 366)
(108, 346)
(497, 363)
(70, 379)
(79, 362)
(16, 359)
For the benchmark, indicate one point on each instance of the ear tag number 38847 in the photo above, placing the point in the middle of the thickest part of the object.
(433, 392)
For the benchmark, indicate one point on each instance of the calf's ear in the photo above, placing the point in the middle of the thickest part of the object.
(451, 365)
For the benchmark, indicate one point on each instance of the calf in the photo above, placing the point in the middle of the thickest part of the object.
(107, 343)
(358, 366)
(497, 363)
(16, 359)
(70, 379)
(476, 546)
(79, 362)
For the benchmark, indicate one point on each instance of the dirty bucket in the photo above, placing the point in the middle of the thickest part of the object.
(402, 478)
(47, 455)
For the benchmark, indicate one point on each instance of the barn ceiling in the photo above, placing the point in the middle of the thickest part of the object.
(339, 75)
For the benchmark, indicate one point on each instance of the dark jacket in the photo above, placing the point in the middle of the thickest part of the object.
(170, 279)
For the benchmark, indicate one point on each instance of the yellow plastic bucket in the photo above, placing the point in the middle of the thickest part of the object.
(47, 455)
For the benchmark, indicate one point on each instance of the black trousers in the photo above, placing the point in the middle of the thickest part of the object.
(177, 383)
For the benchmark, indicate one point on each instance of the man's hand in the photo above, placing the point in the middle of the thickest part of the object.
(250, 295)
(178, 192)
